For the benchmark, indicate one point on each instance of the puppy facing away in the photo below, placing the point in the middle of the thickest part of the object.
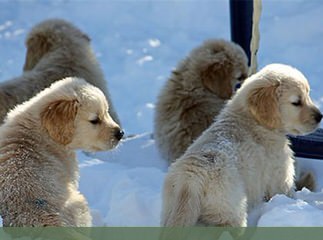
(38, 169)
(244, 156)
(55, 49)
(195, 93)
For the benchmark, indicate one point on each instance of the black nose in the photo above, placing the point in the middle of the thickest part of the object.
(318, 117)
(118, 134)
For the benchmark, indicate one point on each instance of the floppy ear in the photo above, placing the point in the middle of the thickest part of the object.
(216, 78)
(37, 46)
(58, 118)
(263, 105)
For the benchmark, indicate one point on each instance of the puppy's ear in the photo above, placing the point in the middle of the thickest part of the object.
(37, 46)
(263, 104)
(86, 37)
(216, 77)
(58, 118)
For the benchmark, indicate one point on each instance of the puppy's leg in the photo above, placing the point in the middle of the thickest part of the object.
(181, 204)
(283, 180)
(183, 190)
(225, 203)
(77, 209)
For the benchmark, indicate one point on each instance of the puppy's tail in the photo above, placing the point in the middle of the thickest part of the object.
(181, 200)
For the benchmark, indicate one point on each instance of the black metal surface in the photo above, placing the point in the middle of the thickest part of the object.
(309, 146)
(241, 23)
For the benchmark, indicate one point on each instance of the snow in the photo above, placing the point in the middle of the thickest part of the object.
(282, 211)
(144, 59)
(132, 185)
(138, 43)
(154, 42)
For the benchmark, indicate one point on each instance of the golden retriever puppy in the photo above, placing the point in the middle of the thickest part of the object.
(195, 93)
(55, 49)
(38, 169)
(244, 156)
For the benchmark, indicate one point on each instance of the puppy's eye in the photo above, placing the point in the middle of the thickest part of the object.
(95, 121)
(297, 103)
(242, 77)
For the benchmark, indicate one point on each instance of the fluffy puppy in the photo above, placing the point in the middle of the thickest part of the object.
(195, 93)
(244, 156)
(55, 49)
(38, 169)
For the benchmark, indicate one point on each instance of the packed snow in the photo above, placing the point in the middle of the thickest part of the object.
(138, 43)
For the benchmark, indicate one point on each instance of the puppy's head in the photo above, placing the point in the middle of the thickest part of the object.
(278, 98)
(77, 116)
(49, 35)
(219, 66)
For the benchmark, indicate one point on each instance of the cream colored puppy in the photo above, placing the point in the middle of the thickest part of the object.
(55, 49)
(244, 156)
(38, 169)
(195, 93)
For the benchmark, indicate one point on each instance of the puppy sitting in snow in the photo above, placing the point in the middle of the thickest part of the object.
(244, 156)
(195, 93)
(55, 49)
(38, 169)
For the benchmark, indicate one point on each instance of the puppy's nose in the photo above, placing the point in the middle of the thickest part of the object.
(118, 134)
(318, 117)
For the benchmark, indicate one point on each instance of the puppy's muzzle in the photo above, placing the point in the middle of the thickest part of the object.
(317, 115)
(118, 134)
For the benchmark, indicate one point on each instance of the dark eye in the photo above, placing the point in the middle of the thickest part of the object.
(95, 121)
(298, 103)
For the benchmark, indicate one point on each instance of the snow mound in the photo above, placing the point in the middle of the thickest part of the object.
(304, 211)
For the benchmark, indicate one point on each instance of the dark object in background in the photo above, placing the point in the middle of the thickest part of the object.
(241, 23)
(241, 12)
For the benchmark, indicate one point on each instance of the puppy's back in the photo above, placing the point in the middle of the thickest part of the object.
(195, 93)
(48, 36)
(62, 50)
(55, 49)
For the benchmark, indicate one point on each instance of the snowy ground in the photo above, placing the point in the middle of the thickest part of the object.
(137, 44)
